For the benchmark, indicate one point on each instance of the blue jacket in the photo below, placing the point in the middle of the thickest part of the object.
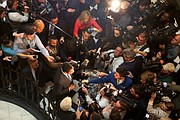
(8, 51)
(126, 84)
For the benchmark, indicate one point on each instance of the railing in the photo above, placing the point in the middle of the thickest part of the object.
(19, 89)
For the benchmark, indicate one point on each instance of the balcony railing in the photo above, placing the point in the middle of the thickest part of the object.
(22, 91)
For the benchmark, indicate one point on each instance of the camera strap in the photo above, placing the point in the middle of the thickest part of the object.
(24, 40)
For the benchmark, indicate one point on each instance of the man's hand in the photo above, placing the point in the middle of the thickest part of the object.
(78, 113)
(112, 21)
(85, 90)
(30, 57)
(129, 27)
(112, 87)
(71, 10)
(61, 41)
(96, 30)
(102, 74)
(153, 96)
(7, 58)
(50, 58)
(20, 35)
(1, 53)
(85, 81)
(29, 50)
(72, 87)
(99, 51)
(26, 9)
(49, 50)
(136, 51)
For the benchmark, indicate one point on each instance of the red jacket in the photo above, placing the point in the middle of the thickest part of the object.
(80, 26)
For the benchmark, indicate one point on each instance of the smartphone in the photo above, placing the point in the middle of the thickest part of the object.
(80, 108)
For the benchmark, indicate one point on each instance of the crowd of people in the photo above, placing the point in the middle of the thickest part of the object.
(125, 58)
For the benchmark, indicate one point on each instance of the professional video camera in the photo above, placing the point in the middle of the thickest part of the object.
(162, 33)
(131, 34)
(152, 66)
(40, 8)
(128, 99)
(155, 9)
(160, 89)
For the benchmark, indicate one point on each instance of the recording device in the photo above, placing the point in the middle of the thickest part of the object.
(160, 89)
(83, 85)
(35, 56)
(80, 108)
(123, 96)
(85, 63)
(82, 103)
(90, 30)
(162, 33)
(27, 46)
(152, 66)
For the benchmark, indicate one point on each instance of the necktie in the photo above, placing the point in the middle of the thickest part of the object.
(69, 76)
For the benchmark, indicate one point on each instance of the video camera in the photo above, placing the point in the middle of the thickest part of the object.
(160, 89)
(123, 96)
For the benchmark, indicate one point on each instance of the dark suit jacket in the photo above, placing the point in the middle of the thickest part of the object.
(27, 72)
(66, 115)
(61, 85)
(57, 32)
(29, 84)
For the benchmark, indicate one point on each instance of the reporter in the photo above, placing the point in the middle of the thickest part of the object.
(102, 98)
(85, 20)
(14, 17)
(163, 110)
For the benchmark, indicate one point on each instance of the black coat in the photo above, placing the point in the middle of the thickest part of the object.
(61, 85)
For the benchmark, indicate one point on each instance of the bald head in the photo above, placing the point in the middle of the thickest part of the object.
(38, 25)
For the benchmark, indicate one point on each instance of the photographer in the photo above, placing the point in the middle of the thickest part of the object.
(5, 27)
(140, 93)
(84, 21)
(122, 17)
(112, 41)
(165, 75)
(112, 59)
(118, 104)
(141, 47)
(102, 98)
(162, 111)
(173, 48)
(86, 47)
(14, 17)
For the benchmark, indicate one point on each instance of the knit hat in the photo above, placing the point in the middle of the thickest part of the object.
(169, 66)
(66, 104)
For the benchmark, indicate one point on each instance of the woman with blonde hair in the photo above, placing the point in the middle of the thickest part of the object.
(84, 21)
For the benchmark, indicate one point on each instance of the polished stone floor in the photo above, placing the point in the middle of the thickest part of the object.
(9, 111)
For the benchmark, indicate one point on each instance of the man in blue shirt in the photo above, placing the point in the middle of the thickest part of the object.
(119, 79)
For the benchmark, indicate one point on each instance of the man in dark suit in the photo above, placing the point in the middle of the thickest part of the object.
(50, 29)
(31, 71)
(63, 84)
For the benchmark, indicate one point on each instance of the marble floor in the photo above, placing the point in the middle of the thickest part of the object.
(9, 111)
